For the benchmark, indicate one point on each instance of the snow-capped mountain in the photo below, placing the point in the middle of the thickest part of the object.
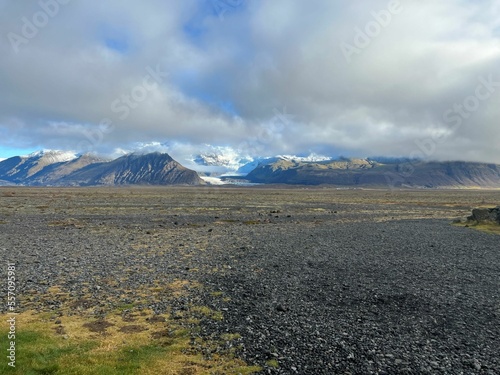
(233, 163)
(19, 168)
(213, 161)
(250, 166)
(206, 159)
(53, 173)
(58, 168)
(225, 159)
(134, 169)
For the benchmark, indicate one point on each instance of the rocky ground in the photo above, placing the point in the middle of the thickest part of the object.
(313, 281)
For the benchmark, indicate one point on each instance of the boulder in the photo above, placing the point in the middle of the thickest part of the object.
(485, 215)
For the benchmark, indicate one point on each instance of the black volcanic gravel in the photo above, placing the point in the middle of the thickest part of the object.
(411, 297)
(395, 297)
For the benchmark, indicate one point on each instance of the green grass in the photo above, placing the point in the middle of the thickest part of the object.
(39, 354)
(41, 351)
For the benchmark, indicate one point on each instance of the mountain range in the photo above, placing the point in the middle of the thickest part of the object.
(58, 168)
(374, 173)
(61, 168)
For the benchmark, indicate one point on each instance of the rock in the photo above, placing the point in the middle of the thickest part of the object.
(476, 365)
(281, 308)
(485, 215)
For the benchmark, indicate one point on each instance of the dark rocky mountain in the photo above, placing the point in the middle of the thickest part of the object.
(55, 168)
(367, 172)
(134, 169)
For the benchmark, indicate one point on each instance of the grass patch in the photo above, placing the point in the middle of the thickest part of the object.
(179, 288)
(207, 312)
(487, 228)
(273, 363)
(230, 336)
(148, 346)
(490, 228)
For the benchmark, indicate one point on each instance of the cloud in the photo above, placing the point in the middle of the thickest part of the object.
(226, 77)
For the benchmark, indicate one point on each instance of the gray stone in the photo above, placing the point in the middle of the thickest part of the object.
(481, 215)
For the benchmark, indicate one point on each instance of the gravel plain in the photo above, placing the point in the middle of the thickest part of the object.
(313, 281)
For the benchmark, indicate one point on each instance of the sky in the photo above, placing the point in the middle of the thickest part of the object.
(415, 78)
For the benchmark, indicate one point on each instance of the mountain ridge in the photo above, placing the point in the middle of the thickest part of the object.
(47, 169)
(63, 168)
(367, 172)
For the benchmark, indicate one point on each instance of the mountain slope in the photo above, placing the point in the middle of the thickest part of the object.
(134, 169)
(19, 169)
(52, 174)
(366, 172)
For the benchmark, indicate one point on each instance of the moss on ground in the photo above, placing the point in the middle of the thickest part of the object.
(111, 345)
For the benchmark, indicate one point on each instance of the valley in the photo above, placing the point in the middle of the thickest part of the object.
(250, 280)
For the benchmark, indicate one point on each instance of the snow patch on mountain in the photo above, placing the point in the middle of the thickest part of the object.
(52, 156)
(309, 158)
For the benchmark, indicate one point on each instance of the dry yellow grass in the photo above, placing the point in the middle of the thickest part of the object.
(79, 345)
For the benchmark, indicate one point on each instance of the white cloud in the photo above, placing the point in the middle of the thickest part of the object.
(261, 57)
